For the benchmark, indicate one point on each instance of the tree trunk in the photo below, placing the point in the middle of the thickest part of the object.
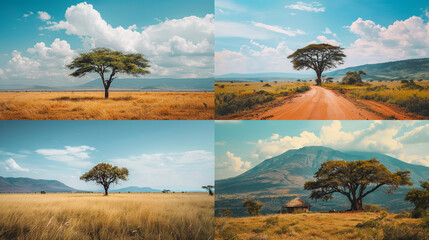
(105, 191)
(106, 93)
(319, 79)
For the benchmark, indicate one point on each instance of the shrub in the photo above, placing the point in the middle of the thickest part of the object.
(227, 103)
(253, 207)
(373, 223)
(266, 85)
(404, 231)
(225, 213)
(374, 208)
(42, 192)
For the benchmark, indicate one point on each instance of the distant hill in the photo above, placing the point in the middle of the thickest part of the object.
(135, 189)
(161, 84)
(397, 70)
(135, 84)
(286, 174)
(28, 185)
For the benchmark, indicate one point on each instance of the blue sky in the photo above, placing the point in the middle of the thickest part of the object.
(241, 145)
(176, 155)
(256, 36)
(177, 36)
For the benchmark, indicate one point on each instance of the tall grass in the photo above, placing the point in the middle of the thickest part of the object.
(117, 216)
(120, 106)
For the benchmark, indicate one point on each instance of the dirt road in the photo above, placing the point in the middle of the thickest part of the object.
(318, 104)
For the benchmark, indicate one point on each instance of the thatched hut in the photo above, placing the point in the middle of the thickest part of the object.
(296, 204)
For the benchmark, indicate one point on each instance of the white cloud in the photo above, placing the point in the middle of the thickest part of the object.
(73, 156)
(278, 29)
(240, 30)
(309, 7)
(254, 58)
(401, 40)
(231, 165)
(44, 16)
(172, 46)
(327, 31)
(416, 135)
(27, 14)
(12, 165)
(41, 61)
(324, 39)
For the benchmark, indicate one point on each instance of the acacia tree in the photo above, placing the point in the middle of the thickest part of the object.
(420, 199)
(319, 57)
(105, 174)
(209, 188)
(104, 61)
(353, 78)
(355, 180)
(253, 207)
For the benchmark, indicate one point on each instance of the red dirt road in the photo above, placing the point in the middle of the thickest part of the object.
(318, 104)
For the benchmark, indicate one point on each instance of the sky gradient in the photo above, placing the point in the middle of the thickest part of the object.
(241, 145)
(175, 155)
(40, 38)
(257, 36)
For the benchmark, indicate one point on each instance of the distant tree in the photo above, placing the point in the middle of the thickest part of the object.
(104, 60)
(319, 57)
(105, 174)
(261, 80)
(253, 207)
(329, 79)
(166, 191)
(353, 78)
(420, 199)
(42, 192)
(209, 188)
(355, 180)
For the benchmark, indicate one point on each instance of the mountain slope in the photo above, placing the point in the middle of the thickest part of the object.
(293, 168)
(28, 185)
(135, 189)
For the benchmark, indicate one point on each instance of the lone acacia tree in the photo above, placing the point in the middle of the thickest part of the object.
(104, 60)
(355, 180)
(319, 57)
(105, 174)
(420, 199)
(209, 188)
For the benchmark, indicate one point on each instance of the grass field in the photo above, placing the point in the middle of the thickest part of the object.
(93, 106)
(117, 216)
(313, 226)
(412, 99)
(241, 97)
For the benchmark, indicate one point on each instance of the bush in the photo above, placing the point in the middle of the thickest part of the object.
(374, 208)
(418, 213)
(227, 103)
(266, 85)
(373, 223)
(42, 192)
(404, 231)
(253, 207)
(225, 213)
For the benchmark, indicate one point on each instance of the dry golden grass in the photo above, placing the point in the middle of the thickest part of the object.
(117, 216)
(304, 226)
(93, 106)
(251, 87)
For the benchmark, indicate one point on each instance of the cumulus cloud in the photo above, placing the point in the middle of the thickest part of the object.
(416, 135)
(12, 165)
(27, 14)
(231, 165)
(173, 46)
(253, 58)
(240, 30)
(324, 39)
(73, 156)
(44, 16)
(41, 61)
(401, 40)
(309, 7)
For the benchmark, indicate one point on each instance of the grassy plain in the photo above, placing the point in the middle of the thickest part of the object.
(310, 226)
(412, 99)
(235, 100)
(117, 216)
(93, 106)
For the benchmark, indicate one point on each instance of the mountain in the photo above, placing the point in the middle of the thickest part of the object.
(397, 70)
(284, 176)
(28, 185)
(261, 76)
(135, 189)
(161, 84)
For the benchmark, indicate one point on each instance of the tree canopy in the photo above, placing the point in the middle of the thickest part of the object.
(105, 174)
(355, 180)
(319, 57)
(353, 78)
(209, 188)
(104, 61)
(253, 207)
(420, 199)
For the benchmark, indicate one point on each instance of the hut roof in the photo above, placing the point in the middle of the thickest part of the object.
(298, 203)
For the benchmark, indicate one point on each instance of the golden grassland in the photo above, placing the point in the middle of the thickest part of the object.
(305, 226)
(251, 87)
(412, 100)
(93, 106)
(117, 216)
